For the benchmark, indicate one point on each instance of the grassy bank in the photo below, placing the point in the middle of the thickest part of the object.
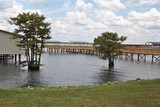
(124, 94)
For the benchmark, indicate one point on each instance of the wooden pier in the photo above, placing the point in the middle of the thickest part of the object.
(142, 53)
(4, 58)
(70, 49)
(128, 50)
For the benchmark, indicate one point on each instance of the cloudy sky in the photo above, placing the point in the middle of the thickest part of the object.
(83, 20)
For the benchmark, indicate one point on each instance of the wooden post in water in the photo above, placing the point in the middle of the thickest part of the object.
(152, 58)
(138, 57)
(132, 56)
(126, 54)
(19, 58)
(3, 58)
(15, 58)
(144, 57)
(12, 56)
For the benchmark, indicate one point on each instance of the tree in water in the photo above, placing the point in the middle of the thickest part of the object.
(32, 31)
(109, 45)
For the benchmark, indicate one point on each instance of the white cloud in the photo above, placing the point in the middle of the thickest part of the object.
(110, 4)
(5, 4)
(137, 26)
(67, 5)
(131, 3)
(37, 1)
(144, 25)
(77, 25)
(77, 21)
(9, 11)
(152, 14)
(141, 3)
(110, 18)
(78, 17)
(85, 21)
(150, 19)
(148, 2)
(81, 5)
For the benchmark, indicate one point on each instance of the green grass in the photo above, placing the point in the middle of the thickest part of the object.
(124, 94)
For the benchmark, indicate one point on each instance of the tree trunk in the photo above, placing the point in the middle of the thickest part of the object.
(33, 66)
(111, 63)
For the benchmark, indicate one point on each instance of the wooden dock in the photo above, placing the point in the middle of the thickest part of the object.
(142, 53)
(5, 57)
(128, 50)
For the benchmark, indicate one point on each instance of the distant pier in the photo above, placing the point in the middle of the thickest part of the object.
(128, 50)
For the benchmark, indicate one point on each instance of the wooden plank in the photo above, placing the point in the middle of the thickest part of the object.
(146, 51)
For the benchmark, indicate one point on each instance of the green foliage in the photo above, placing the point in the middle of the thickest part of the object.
(32, 30)
(109, 44)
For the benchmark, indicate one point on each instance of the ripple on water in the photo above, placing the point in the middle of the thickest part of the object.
(76, 69)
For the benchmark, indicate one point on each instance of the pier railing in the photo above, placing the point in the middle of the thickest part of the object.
(69, 47)
(146, 51)
(128, 51)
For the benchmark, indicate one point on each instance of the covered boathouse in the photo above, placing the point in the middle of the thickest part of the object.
(8, 48)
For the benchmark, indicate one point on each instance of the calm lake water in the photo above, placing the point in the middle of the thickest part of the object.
(74, 70)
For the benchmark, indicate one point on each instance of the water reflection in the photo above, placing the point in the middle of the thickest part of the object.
(10, 76)
(76, 69)
(34, 78)
(108, 75)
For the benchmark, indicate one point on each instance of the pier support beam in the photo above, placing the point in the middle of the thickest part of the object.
(157, 58)
(127, 55)
(141, 57)
(19, 57)
(4, 58)
(15, 58)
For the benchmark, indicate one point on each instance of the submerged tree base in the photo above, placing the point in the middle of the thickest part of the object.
(34, 67)
(111, 64)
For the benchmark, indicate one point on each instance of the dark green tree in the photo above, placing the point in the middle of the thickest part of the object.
(109, 45)
(32, 31)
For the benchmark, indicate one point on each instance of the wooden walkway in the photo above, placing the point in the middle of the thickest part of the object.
(129, 51)
(5, 57)
(146, 51)
(142, 53)
(69, 47)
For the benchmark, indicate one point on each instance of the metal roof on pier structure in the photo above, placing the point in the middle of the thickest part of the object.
(71, 42)
(154, 43)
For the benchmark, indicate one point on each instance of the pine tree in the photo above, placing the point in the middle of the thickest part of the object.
(32, 31)
(109, 45)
